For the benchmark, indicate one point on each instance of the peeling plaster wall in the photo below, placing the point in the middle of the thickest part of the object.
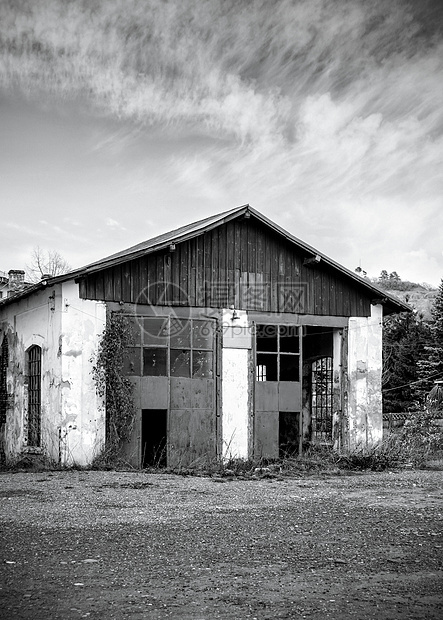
(67, 330)
(365, 416)
(236, 400)
(34, 320)
(82, 422)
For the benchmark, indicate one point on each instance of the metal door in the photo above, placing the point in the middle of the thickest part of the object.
(277, 388)
(192, 428)
(173, 368)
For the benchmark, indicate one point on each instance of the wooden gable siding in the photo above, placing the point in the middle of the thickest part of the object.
(240, 263)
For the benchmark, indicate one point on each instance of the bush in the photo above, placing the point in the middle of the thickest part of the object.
(386, 454)
(421, 435)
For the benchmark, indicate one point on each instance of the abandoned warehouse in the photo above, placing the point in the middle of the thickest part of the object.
(246, 343)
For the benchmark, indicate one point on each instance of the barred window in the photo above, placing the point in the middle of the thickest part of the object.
(4, 359)
(321, 399)
(34, 395)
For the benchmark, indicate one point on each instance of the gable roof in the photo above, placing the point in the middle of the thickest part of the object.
(391, 303)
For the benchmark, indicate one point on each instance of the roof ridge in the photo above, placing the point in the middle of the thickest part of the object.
(196, 228)
(164, 237)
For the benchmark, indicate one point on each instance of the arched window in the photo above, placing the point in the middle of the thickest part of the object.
(34, 395)
(4, 359)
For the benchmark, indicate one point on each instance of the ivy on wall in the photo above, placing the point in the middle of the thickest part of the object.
(112, 384)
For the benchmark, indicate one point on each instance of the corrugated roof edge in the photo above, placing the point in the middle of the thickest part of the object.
(196, 228)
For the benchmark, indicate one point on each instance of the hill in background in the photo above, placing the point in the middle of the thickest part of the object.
(419, 296)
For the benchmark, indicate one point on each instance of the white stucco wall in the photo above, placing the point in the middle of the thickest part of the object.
(34, 320)
(235, 385)
(365, 414)
(67, 330)
(82, 421)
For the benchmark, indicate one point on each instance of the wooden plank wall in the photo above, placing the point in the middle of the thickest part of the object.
(240, 263)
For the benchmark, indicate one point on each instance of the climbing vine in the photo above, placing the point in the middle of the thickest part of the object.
(111, 383)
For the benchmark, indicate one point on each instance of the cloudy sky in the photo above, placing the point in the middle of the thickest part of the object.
(122, 119)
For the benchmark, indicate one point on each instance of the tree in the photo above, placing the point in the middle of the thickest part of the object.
(431, 366)
(405, 338)
(46, 263)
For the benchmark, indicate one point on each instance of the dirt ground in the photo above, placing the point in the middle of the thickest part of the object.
(116, 545)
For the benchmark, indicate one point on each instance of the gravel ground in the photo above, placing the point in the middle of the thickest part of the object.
(114, 545)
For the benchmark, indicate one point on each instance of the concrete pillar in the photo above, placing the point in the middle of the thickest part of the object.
(337, 413)
(236, 385)
(365, 372)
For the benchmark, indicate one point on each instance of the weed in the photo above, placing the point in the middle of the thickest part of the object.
(422, 436)
(114, 387)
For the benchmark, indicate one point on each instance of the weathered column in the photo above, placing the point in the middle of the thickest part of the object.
(236, 385)
(365, 374)
(337, 378)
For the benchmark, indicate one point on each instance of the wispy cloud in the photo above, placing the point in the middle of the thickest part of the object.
(240, 68)
(325, 110)
(113, 224)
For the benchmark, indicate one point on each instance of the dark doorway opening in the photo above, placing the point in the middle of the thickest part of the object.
(288, 433)
(154, 430)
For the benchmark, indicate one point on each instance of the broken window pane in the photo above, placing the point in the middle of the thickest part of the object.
(202, 364)
(155, 362)
(289, 368)
(180, 363)
(180, 333)
(202, 334)
(289, 342)
(135, 328)
(266, 337)
(132, 361)
(268, 364)
(155, 330)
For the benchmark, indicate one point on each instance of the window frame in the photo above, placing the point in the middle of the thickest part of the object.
(260, 373)
(322, 424)
(193, 345)
(34, 379)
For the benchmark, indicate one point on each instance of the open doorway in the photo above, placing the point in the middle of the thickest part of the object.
(317, 393)
(154, 430)
(288, 434)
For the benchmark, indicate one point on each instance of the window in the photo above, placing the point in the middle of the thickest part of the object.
(180, 362)
(155, 362)
(321, 399)
(169, 346)
(34, 396)
(4, 359)
(277, 353)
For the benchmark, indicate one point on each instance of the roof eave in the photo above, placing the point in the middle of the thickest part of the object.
(380, 296)
(390, 303)
(163, 245)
